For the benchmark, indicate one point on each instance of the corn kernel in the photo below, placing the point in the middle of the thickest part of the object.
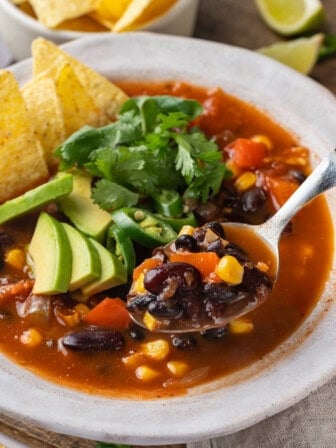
(245, 181)
(146, 373)
(16, 258)
(157, 350)
(186, 230)
(31, 338)
(178, 368)
(150, 322)
(241, 326)
(261, 138)
(82, 309)
(235, 170)
(138, 285)
(230, 270)
(133, 360)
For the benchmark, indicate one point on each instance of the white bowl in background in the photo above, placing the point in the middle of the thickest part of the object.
(300, 364)
(19, 29)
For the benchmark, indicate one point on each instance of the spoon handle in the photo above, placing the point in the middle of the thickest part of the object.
(321, 179)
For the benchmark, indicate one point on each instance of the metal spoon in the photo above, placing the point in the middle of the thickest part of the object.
(320, 180)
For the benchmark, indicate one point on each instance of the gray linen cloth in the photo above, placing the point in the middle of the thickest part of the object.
(309, 424)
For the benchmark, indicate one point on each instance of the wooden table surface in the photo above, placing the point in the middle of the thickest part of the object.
(235, 22)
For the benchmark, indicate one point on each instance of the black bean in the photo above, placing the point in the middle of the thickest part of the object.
(297, 175)
(217, 246)
(253, 280)
(207, 212)
(181, 277)
(93, 339)
(192, 307)
(140, 302)
(165, 309)
(5, 316)
(253, 199)
(215, 333)
(6, 240)
(137, 333)
(216, 227)
(215, 309)
(219, 292)
(186, 242)
(184, 342)
(235, 251)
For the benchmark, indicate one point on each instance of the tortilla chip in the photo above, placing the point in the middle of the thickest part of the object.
(141, 12)
(53, 12)
(22, 163)
(77, 106)
(18, 2)
(45, 111)
(47, 57)
(109, 12)
(107, 23)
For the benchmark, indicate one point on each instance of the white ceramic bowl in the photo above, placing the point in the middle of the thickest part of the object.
(295, 368)
(19, 30)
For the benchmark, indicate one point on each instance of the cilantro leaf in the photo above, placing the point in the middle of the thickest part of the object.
(184, 161)
(111, 196)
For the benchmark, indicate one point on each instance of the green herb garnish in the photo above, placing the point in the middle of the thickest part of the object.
(328, 48)
(151, 147)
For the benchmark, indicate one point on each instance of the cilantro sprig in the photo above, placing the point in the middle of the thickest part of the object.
(152, 146)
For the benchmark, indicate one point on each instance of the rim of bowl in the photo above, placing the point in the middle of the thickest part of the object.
(165, 421)
(35, 25)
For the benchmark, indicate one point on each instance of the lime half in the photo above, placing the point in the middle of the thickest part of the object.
(300, 54)
(289, 17)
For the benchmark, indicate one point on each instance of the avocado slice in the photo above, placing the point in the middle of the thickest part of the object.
(85, 259)
(78, 206)
(37, 197)
(52, 258)
(113, 272)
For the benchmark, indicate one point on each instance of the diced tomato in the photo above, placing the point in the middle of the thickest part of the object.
(109, 313)
(205, 262)
(146, 265)
(246, 153)
(280, 189)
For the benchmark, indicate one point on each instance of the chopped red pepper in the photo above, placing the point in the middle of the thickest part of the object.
(205, 262)
(246, 153)
(109, 313)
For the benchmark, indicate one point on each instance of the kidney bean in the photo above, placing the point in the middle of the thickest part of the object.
(165, 309)
(184, 276)
(186, 242)
(93, 338)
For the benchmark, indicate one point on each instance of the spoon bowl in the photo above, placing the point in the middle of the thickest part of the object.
(267, 236)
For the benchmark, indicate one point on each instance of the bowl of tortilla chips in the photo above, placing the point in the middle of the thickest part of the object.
(21, 21)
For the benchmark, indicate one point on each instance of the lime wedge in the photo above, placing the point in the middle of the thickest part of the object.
(300, 54)
(289, 17)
